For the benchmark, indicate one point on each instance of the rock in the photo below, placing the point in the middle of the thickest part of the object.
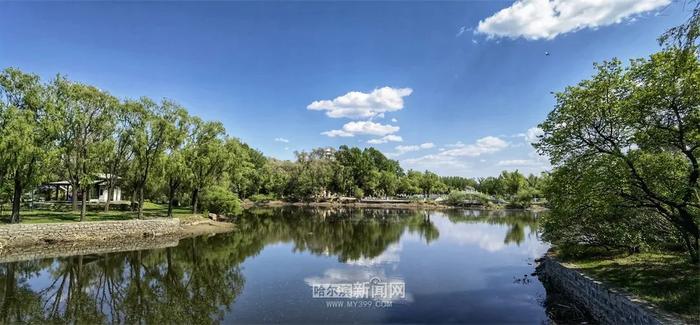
(213, 216)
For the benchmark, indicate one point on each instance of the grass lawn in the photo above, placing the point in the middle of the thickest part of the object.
(150, 210)
(666, 280)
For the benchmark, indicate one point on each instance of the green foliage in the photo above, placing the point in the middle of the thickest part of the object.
(261, 198)
(625, 144)
(458, 183)
(220, 200)
(456, 198)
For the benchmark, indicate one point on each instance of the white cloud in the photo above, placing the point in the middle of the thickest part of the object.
(518, 163)
(451, 159)
(337, 133)
(400, 150)
(485, 145)
(357, 104)
(545, 19)
(387, 138)
(394, 120)
(436, 163)
(463, 30)
(281, 140)
(351, 129)
(532, 134)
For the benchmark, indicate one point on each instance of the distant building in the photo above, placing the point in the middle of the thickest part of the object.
(97, 191)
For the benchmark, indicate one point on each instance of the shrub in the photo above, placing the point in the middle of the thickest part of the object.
(456, 198)
(358, 193)
(261, 198)
(220, 200)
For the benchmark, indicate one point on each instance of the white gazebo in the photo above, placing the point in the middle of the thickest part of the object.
(97, 192)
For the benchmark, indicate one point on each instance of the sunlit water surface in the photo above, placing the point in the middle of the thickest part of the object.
(458, 266)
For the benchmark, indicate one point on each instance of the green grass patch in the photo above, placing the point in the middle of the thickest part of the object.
(666, 280)
(151, 210)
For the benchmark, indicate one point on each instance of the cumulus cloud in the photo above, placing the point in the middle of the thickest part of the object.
(452, 158)
(400, 150)
(485, 145)
(337, 133)
(351, 129)
(433, 162)
(385, 139)
(358, 105)
(546, 19)
(519, 163)
(281, 140)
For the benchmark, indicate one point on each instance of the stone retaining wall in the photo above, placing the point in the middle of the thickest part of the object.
(27, 235)
(64, 249)
(606, 305)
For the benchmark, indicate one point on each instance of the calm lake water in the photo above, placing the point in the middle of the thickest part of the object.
(293, 265)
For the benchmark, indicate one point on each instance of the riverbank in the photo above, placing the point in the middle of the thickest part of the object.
(411, 205)
(45, 240)
(649, 288)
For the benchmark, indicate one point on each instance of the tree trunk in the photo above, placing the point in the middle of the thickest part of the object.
(83, 204)
(16, 200)
(133, 200)
(110, 193)
(74, 199)
(171, 197)
(140, 202)
(195, 200)
(692, 234)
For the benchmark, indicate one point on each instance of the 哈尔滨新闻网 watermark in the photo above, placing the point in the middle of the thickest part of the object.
(374, 289)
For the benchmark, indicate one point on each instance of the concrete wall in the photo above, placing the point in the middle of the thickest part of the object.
(22, 235)
(606, 305)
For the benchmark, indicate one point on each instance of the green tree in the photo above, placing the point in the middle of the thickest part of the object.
(174, 167)
(430, 183)
(28, 133)
(639, 126)
(155, 122)
(205, 156)
(86, 125)
(120, 150)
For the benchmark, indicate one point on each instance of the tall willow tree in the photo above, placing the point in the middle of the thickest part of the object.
(154, 124)
(174, 168)
(86, 126)
(28, 132)
(205, 156)
(119, 151)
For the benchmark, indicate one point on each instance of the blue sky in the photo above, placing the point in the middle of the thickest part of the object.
(458, 83)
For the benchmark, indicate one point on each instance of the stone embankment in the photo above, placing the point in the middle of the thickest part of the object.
(605, 304)
(32, 241)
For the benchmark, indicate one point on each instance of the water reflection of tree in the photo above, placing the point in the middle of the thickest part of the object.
(197, 281)
(518, 222)
(173, 285)
(350, 234)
